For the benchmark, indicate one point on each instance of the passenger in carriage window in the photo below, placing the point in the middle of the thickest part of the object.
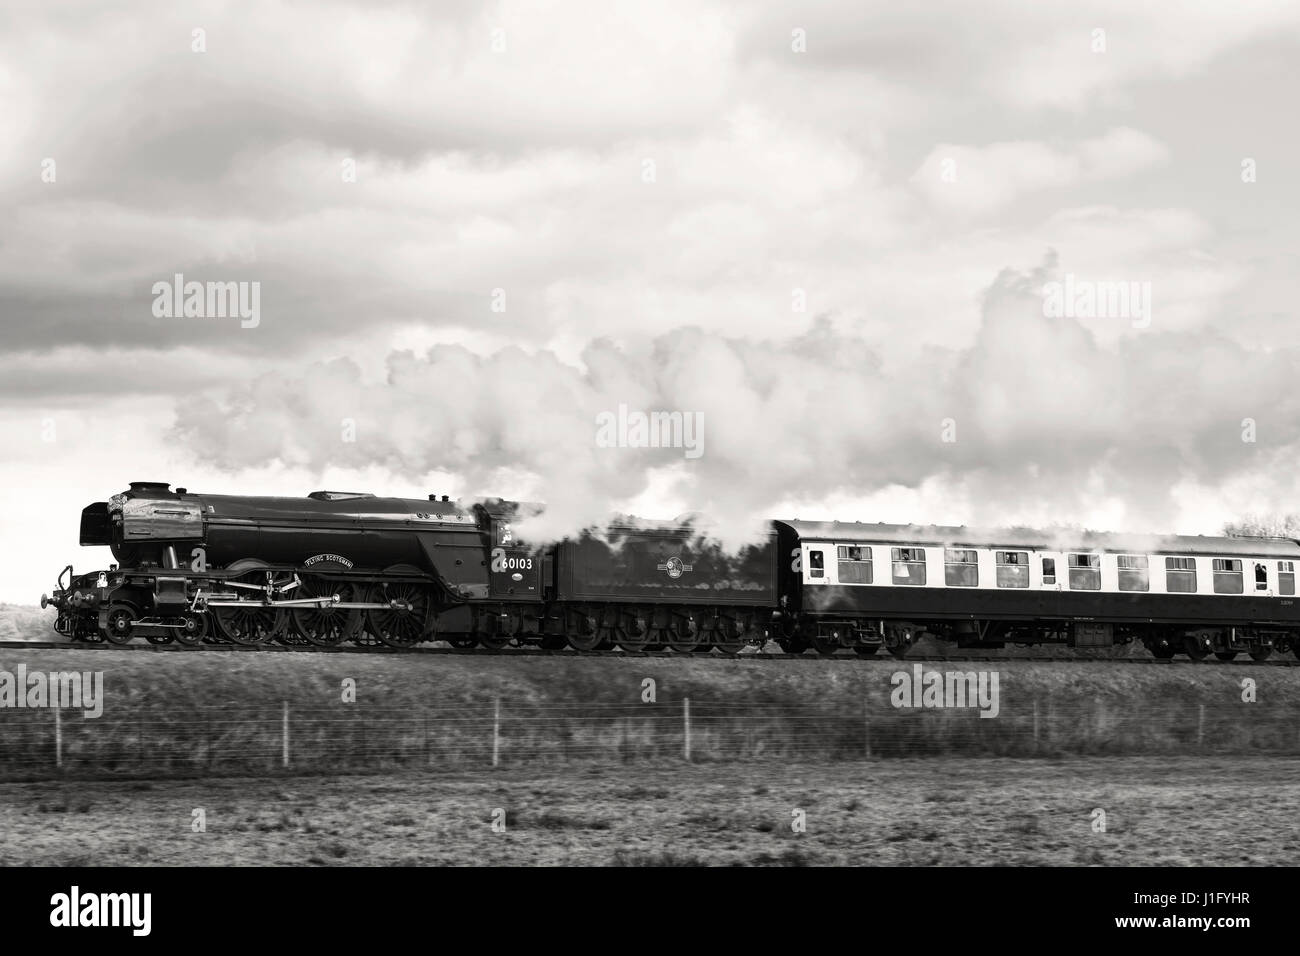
(816, 566)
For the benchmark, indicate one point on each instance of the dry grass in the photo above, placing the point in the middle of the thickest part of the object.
(961, 811)
(172, 714)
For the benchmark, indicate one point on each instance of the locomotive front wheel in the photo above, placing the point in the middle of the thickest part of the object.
(1225, 655)
(1193, 648)
(118, 628)
(1261, 653)
(194, 627)
(866, 650)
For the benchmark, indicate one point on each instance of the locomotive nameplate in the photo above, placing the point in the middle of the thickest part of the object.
(318, 558)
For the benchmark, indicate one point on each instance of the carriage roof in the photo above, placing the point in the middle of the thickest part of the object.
(1050, 539)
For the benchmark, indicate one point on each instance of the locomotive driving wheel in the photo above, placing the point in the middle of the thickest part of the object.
(405, 621)
(325, 626)
(249, 622)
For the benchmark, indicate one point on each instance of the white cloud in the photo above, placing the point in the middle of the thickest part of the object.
(971, 179)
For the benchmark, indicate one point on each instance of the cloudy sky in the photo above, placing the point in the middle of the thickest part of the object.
(825, 228)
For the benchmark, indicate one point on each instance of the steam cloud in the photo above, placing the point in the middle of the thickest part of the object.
(1046, 420)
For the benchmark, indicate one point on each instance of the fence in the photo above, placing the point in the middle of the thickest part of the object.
(288, 737)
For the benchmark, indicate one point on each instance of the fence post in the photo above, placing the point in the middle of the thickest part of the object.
(1035, 723)
(496, 733)
(284, 757)
(426, 738)
(58, 738)
(686, 725)
(866, 732)
(212, 742)
(1200, 725)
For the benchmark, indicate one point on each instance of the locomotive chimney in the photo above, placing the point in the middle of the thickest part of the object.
(153, 487)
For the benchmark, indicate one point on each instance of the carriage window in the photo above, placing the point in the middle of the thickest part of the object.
(1180, 575)
(1134, 573)
(1085, 572)
(816, 567)
(1227, 576)
(909, 565)
(1049, 570)
(855, 564)
(1261, 577)
(1011, 569)
(1286, 577)
(960, 568)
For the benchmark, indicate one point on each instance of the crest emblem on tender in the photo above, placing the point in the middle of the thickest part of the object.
(674, 567)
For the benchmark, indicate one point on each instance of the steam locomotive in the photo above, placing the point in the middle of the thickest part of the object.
(338, 567)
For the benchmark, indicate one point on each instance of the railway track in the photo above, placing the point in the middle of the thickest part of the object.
(619, 654)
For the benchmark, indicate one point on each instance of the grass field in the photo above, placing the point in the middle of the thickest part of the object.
(957, 811)
(1186, 772)
(171, 714)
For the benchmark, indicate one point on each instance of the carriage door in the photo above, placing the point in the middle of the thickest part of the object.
(515, 571)
(1261, 578)
(814, 563)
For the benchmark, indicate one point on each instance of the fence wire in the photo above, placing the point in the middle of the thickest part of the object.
(289, 737)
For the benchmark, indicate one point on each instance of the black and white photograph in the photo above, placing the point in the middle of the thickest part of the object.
(651, 433)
